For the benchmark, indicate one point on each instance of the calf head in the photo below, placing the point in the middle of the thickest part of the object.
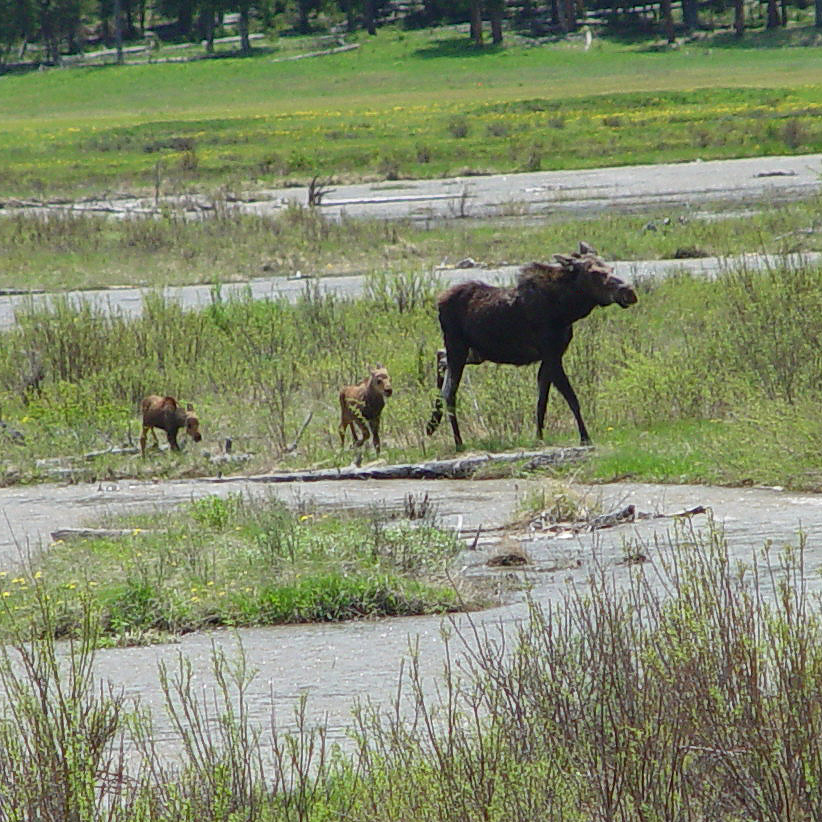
(192, 424)
(596, 278)
(380, 381)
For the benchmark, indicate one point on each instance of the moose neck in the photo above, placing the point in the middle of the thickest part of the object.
(565, 304)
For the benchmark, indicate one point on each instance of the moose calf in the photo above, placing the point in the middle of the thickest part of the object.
(166, 414)
(361, 406)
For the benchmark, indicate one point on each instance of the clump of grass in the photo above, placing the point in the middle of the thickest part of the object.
(234, 561)
(556, 500)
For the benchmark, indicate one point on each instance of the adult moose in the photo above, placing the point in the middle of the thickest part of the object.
(529, 322)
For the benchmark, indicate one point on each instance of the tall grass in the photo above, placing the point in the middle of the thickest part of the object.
(721, 375)
(688, 692)
(69, 251)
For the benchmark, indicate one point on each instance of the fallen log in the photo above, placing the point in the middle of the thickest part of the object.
(322, 53)
(460, 468)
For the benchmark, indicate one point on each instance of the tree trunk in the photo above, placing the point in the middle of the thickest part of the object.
(818, 14)
(773, 15)
(784, 12)
(476, 22)
(118, 31)
(206, 26)
(245, 42)
(571, 15)
(690, 14)
(667, 20)
(496, 11)
(302, 16)
(370, 16)
(558, 15)
(739, 17)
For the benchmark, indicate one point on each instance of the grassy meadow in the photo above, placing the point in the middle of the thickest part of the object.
(700, 382)
(716, 683)
(405, 104)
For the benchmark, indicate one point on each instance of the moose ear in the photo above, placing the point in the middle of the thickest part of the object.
(564, 260)
(189, 407)
(584, 248)
(169, 402)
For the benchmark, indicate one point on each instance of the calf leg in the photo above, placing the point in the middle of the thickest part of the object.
(436, 414)
(375, 434)
(559, 378)
(146, 429)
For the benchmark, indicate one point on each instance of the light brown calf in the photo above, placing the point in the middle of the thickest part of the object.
(361, 406)
(166, 414)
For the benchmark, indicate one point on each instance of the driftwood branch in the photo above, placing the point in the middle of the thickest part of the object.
(460, 468)
(292, 447)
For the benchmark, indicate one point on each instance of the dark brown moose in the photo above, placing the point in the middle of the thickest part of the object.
(530, 322)
(361, 406)
(166, 414)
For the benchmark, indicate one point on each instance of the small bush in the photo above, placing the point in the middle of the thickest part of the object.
(458, 127)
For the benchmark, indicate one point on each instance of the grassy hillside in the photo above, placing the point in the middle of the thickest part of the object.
(405, 104)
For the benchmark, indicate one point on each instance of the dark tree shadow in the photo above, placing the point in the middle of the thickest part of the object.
(456, 47)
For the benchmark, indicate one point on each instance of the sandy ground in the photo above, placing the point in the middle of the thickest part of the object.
(538, 193)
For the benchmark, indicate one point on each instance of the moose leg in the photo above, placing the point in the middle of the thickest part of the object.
(543, 384)
(146, 429)
(559, 378)
(453, 375)
(359, 441)
(375, 434)
(172, 439)
(363, 435)
(344, 426)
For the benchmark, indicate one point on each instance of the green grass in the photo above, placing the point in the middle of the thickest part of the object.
(239, 562)
(700, 381)
(74, 251)
(374, 114)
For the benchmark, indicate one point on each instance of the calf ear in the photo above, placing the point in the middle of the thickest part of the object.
(189, 407)
(584, 248)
